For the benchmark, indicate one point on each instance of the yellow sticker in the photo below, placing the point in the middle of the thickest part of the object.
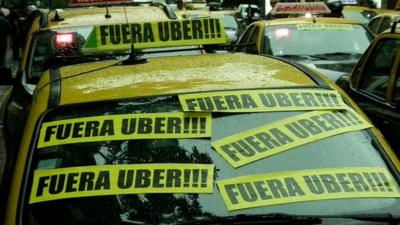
(318, 26)
(251, 145)
(88, 181)
(307, 185)
(269, 100)
(160, 34)
(125, 127)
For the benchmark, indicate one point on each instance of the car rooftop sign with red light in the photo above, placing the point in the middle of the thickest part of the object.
(96, 2)
(300, 8)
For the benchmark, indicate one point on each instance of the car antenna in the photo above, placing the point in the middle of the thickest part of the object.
(108, 15)
(133, 57)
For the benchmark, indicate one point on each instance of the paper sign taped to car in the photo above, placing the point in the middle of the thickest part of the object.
(160, 34)
(308, 185)
(125, 127)
(300, 8)
(254, 144)
(87, 181)
(315, 26)
(96, 2)
(269, 100)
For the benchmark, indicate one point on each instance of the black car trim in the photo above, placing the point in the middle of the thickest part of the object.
(55, 88)
(194, 92)
(28, 174)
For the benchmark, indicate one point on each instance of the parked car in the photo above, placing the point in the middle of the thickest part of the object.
(330, 45)
(202, 139)
(375, 84)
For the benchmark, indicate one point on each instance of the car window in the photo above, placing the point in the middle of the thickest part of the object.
(230, 22)
(253, 39)
(351, 150)
(386, 23)
(375, 77)
(374, 24)
(245, 39)
(41, 54)
(285, 40)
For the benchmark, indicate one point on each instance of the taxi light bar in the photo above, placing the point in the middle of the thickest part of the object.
(300, 8)
(280, 33)
(63, 39)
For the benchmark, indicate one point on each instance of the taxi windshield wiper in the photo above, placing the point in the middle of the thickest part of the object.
(306, 56)
(388, 218)
(338, 54)
(283, 219)
(274, 218)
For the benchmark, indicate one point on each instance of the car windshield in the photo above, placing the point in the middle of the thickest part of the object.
(356, 149)
(230, 22)
(362, 16)
(314, 39)
(67, 46)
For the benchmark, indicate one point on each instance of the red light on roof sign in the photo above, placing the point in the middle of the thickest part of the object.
(301, 8)
(96, 2)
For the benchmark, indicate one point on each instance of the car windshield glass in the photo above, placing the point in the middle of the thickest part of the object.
(285, 40)
(230, 22)
(362, 16)
(351, 149)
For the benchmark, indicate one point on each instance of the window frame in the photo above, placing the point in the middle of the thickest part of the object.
(392, 76)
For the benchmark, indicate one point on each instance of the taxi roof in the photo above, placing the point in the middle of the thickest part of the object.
(391, 14)
(357, 8)
(88, 16)
(318, 20)
(168, 75)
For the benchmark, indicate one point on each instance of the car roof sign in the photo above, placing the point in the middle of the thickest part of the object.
(157, 34)
(349, 2)
(300, 7)
(96, 2)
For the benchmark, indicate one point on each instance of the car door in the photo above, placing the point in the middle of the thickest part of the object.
(377, 86)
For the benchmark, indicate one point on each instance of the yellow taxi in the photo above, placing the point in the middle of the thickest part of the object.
(329, 45)
(63, 33)
(375, 84)
(383, 21)
(204, 139)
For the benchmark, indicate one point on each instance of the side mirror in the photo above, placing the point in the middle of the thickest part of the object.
(344, 82)
(6, 77)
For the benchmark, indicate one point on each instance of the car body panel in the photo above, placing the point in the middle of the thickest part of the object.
(170, 77)
(137, 80)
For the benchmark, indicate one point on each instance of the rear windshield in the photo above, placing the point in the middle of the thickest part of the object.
(174, 180)
(316, 39)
